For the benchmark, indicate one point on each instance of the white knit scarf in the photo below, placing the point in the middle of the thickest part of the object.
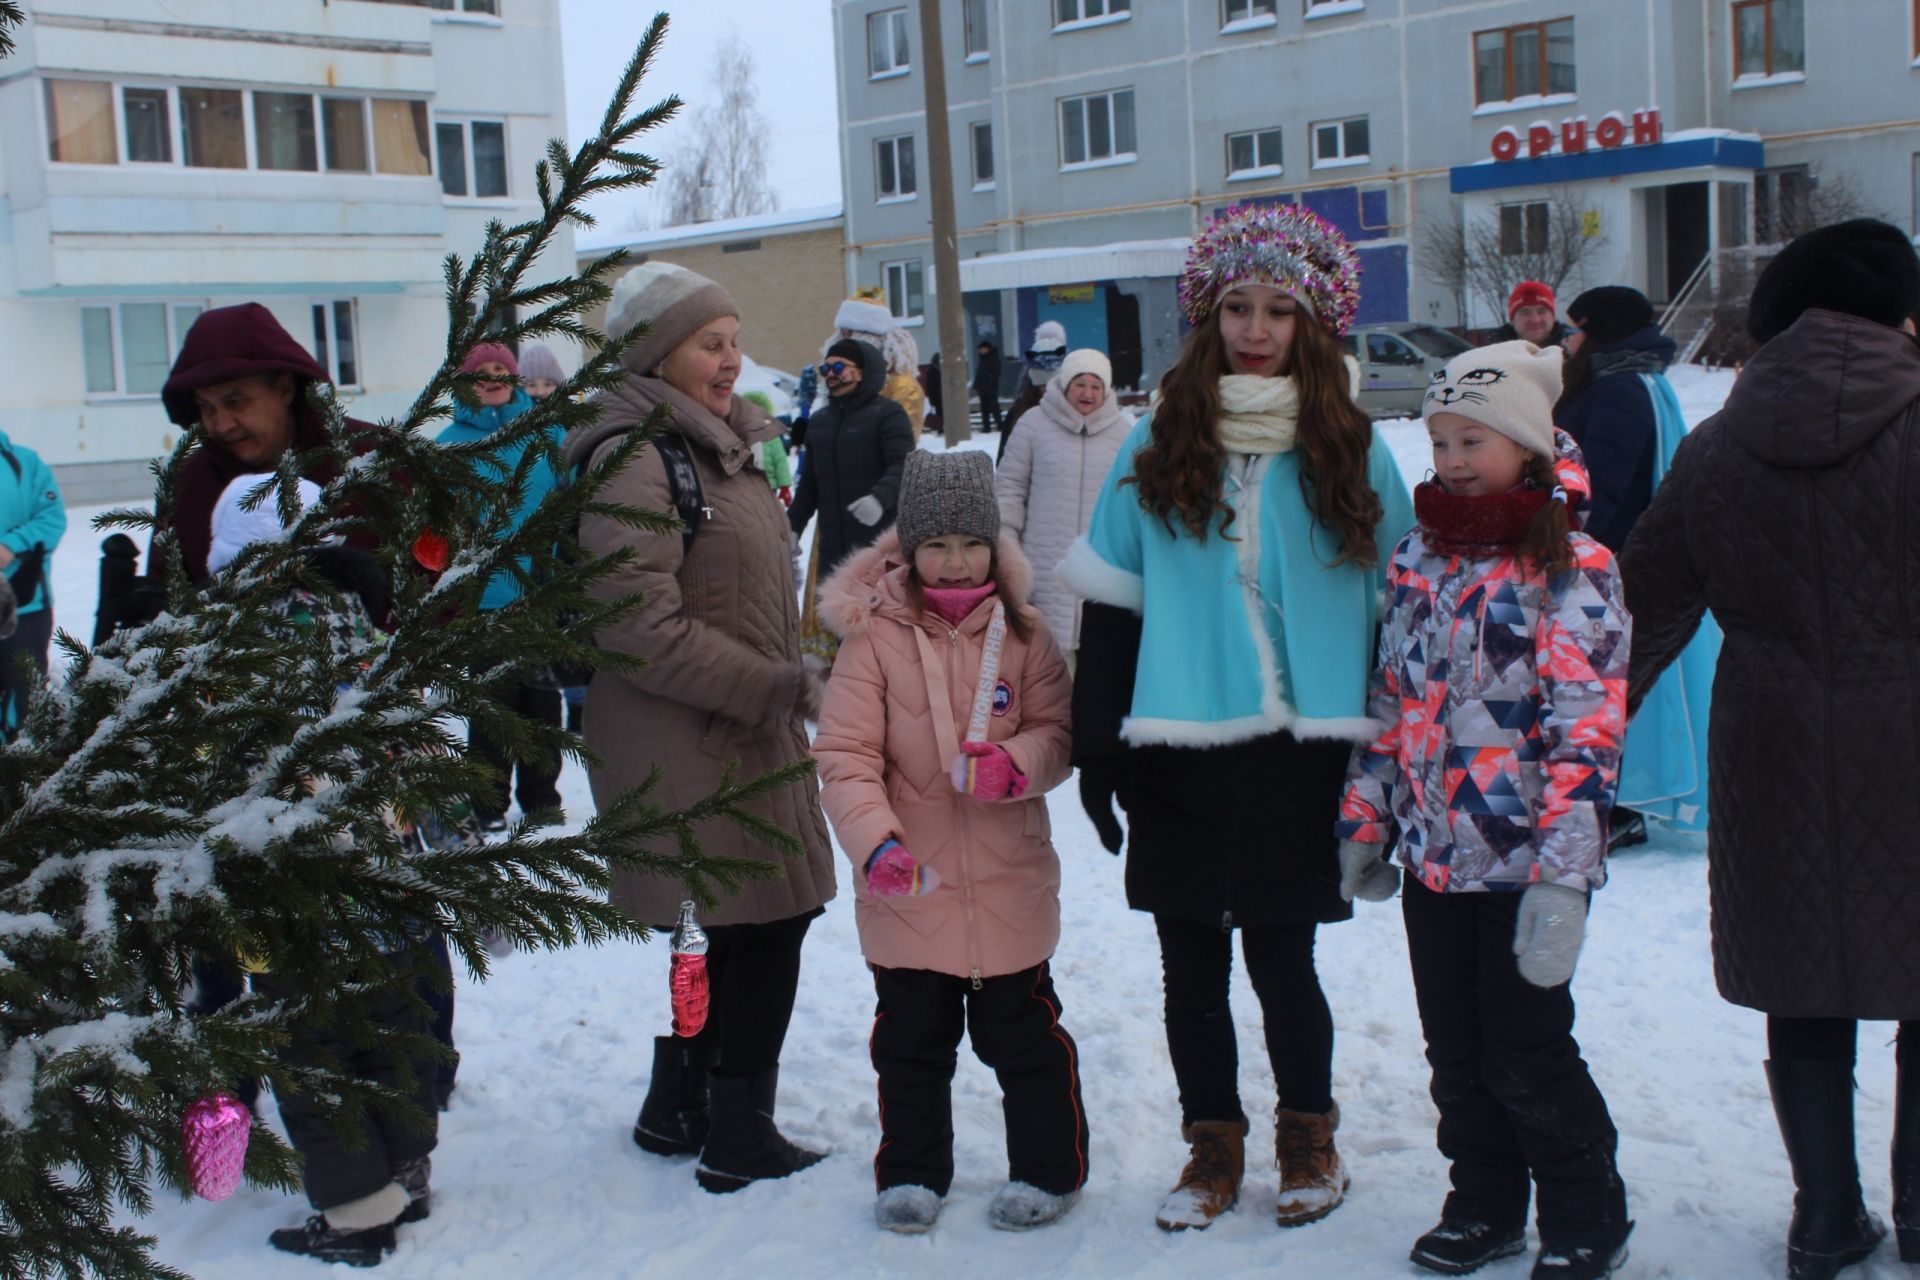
(1258, 415)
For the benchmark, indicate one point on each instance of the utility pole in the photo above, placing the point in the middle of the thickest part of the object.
(955, 416)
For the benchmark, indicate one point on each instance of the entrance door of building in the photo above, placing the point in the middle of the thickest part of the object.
(1689, 235)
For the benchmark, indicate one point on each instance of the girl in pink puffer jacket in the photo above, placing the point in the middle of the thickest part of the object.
(944, 723)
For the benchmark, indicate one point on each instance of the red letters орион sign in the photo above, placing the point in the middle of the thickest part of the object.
(1614, 130)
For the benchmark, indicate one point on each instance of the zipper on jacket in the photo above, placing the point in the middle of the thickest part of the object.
(966, 839)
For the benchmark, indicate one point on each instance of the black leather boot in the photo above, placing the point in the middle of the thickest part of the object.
(673, 1119)
(743, 1146)
(1831, 1226)
(1906, 1152)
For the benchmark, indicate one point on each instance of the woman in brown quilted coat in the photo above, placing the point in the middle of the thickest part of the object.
(1794, 514)
(720, 631)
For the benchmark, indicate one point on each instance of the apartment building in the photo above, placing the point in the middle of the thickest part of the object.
(1092, 137)
(321, 157)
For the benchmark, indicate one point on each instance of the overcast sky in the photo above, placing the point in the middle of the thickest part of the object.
(792, 45)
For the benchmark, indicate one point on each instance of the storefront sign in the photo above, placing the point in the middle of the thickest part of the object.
(1064, 294)
(1614, 130)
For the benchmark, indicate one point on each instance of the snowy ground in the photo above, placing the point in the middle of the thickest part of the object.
(536, 1177)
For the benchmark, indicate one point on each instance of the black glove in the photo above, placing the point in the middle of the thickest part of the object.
(1102, 781)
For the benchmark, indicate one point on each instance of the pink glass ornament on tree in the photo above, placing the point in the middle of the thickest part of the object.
(687, 977)
(214, 1131)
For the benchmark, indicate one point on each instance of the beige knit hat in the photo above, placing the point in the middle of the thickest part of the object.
(1509, 387)
(674, 302)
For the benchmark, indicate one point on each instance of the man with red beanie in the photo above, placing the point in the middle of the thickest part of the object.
(242, 377)
(1530, 316)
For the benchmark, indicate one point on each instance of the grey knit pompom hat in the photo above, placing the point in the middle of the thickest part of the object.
(942, 493)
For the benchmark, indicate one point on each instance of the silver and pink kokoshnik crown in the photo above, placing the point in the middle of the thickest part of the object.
(1285, 246)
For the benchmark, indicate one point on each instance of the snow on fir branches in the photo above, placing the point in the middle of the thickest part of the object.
(260, 783)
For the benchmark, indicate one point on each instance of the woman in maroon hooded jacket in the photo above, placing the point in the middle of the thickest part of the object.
(244, 378)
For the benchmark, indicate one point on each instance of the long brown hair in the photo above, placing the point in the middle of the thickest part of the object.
(1545, 540)
(1178, 472)
(1017, 621)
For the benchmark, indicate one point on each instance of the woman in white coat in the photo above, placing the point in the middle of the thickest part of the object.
(1052, 474)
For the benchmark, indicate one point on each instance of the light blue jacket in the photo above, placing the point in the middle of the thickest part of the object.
(470, 425)
(1246, 634)
(31, 514)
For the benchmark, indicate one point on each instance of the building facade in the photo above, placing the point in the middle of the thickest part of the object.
(785, 270)
(321, 157)
(1092, 137)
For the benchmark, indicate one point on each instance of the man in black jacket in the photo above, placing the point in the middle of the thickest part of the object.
(986, 385)
(856, 447)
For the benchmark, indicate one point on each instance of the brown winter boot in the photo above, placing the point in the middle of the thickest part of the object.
(1210, 1183)
(1313, 1181)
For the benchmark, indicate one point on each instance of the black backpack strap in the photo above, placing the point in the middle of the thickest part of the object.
(683, 484)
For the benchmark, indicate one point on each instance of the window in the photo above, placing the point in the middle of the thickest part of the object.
(473, 157)
(1253, 155)
(148, 117)
(336, 341)
(887, 44)
(1782, 203)
(893, 168)
(400, 137)
(1070, 11)
(1338, 142)
(1523, 228)
(213, 129)
(1436, 342)
(1384, 348)
(1526, 61)
(80, 122)
(128, 347)
(1232, 11)
(464, 6)
(291, 132)
(283, 131)
(981, 135)
(1315, 8)
(905, 295)
(1769, 37)
(1098, 127)
(974, 18)
(344, 125)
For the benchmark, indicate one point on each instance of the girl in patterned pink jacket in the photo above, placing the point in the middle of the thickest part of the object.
(1502, 677)
(945, 723)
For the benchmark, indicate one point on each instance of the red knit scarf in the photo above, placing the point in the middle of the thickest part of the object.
(1454, 524)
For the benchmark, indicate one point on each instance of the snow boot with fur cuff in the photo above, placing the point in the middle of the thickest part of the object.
(1313, 1180)
(742, 1144)
(1210, 1184)
(1831, 1229)
(1021, 1206)
(907, 1210)
(673, 1118)
(358, 1233)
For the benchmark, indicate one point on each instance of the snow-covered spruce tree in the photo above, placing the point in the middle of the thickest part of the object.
(219, 784)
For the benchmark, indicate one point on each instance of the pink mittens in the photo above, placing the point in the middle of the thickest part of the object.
(986, 772)
(892, 873)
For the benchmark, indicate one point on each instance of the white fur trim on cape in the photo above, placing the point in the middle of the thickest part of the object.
(1091, 578)
(1146, 731)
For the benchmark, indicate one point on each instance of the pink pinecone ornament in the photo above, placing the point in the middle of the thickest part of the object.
(214, 1131)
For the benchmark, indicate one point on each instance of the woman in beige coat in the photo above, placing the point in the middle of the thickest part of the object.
(720, 633)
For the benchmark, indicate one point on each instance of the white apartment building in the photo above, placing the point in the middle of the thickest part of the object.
(321, 157)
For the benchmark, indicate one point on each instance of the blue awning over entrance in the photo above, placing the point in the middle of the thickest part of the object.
(1725, 150)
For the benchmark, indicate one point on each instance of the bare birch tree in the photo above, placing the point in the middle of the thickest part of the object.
(721, 171)
(1482, 259)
